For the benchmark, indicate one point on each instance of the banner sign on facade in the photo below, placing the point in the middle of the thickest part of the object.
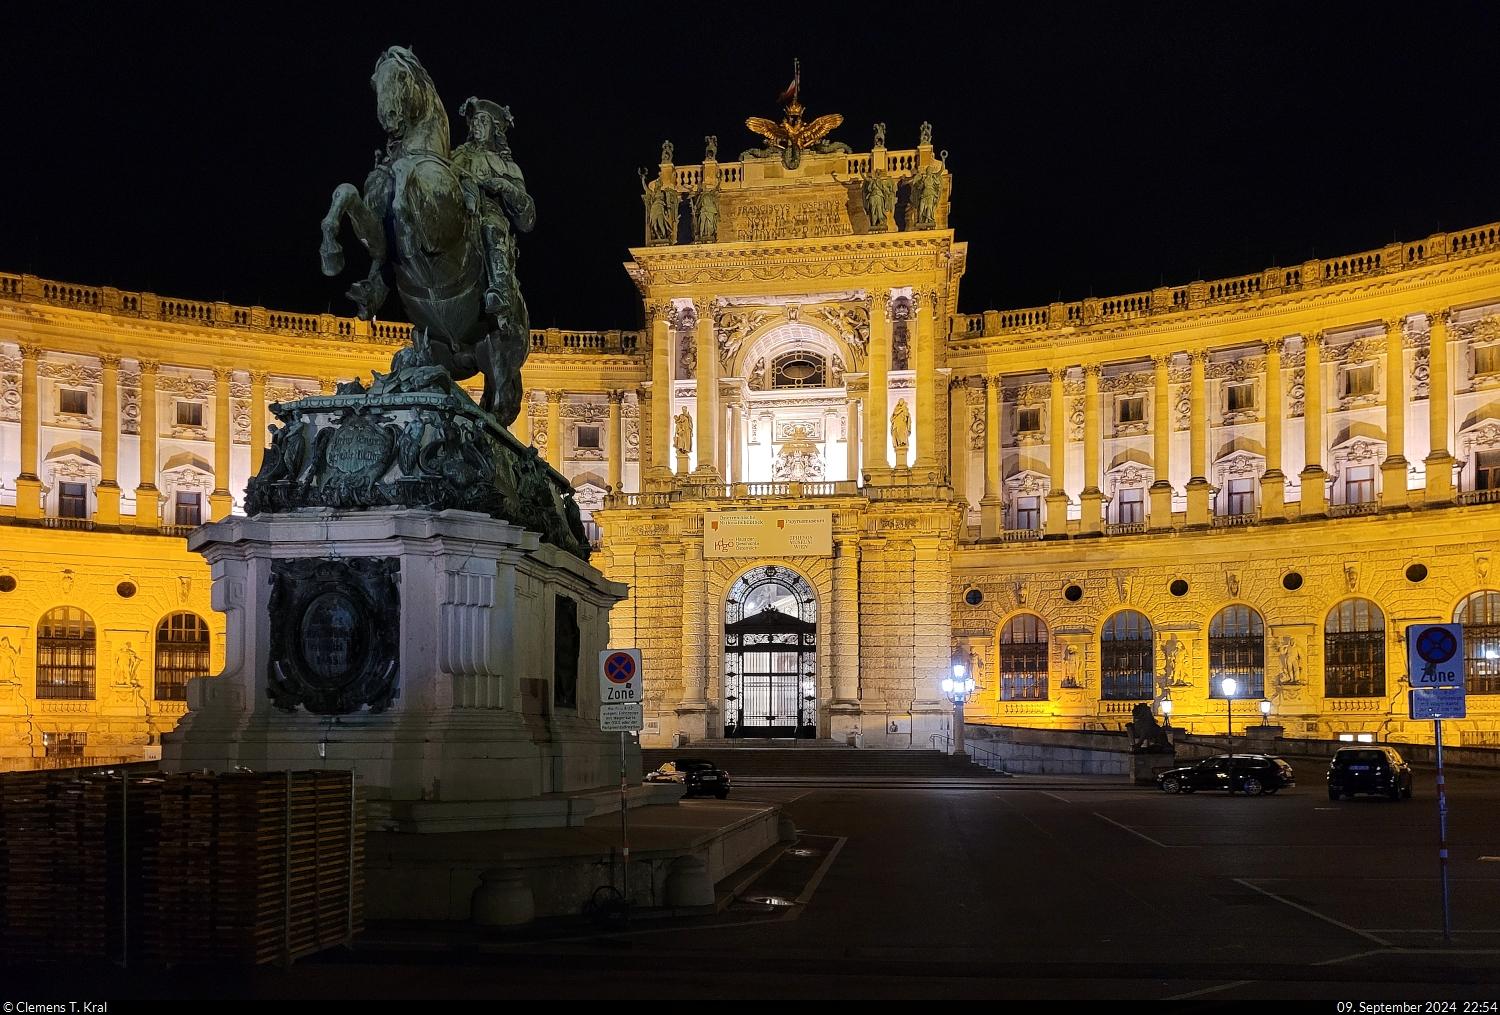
(767, 533)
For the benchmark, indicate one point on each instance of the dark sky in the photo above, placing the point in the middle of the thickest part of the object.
(1096, 149)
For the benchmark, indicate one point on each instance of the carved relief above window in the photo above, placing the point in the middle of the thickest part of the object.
(239, 410)
(1075, 419)
(1183, 410)
(1296, 394)
(10, 389)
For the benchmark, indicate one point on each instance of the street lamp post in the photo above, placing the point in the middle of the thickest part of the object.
(1265, 711)
(957, 689)
(1230, 685)
(1166, 711)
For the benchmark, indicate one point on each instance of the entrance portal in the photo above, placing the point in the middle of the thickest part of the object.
(770, 655)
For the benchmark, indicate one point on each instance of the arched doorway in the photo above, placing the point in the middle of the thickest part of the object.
(770, 655)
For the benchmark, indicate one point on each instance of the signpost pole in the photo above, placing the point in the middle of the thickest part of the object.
(1442, 795)
(624, 830)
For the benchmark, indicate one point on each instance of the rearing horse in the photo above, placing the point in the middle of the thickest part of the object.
(415, 204)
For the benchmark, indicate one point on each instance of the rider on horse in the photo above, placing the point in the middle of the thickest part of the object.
(496, 190)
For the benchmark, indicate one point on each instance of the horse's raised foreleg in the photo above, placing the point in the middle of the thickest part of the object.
(367, 226)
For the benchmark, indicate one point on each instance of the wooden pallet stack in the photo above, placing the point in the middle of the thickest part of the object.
(242, 867)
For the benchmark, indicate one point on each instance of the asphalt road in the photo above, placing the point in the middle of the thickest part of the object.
(1031, 889)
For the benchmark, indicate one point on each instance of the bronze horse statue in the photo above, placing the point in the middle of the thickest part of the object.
(424, 217)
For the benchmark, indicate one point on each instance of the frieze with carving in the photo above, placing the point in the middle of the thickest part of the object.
(10, 390)
(72, 374)
(183, 384)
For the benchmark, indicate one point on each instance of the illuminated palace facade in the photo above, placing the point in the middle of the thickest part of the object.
(824, 485)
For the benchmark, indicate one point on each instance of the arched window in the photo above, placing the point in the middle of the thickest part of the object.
(1237, 648)
(1480, 616)
(181, 654)
(1354, 651)
(1127, 658)
(1023, 659)
(799, 369)
(65, 654)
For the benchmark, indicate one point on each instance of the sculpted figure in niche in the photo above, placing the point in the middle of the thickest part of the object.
(926, 189)
(682, 433)
(10, 660)
(1072, 667)
(1171, 653)
(661, 210)
(878, 194)
(127, 662)
(705, 205)
(1290, 658)
(901, 430)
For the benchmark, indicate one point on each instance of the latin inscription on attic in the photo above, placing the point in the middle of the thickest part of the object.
(751, 219)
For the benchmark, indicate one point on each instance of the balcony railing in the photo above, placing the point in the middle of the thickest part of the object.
(1232, 521)
(1367, 507)
(82, 524)
(1479, 497)
(1125, 529)
(1020, 535)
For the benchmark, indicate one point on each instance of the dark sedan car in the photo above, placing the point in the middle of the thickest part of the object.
(697, 775)
(1250, 774)
(1369, 770)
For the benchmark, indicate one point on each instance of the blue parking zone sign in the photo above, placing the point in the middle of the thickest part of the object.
(1435, 655)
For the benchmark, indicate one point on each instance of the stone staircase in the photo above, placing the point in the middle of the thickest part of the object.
(825, 760)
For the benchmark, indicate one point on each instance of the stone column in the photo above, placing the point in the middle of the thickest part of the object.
(845, 610)
(258, 432)
(736, 459)
(221, 500)
(708, 425)
(992, 505)
(107, 493)
(1198, 508)
(877, 427)
(147, 497)
(554, 429)
(1393, 469)
(661, 391)
(1092, 500)
(28, 483)
(1273, 482)
(1439, 460)
(1314, 494)
(958, 444)
(646, 449)
(615, 443)
(926, 353)
(855, 385)
(1161, 438)
(695, 641)
(1057, 494)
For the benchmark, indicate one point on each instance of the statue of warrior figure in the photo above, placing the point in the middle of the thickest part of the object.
(661, 210)
(926, 189)
(879, 193)
(705, 205)
(501, 200)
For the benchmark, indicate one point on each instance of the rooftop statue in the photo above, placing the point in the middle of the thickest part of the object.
(445, 224)
(661, 210)
(705, 206)
(791, 137)
(926, 190)
(878, 194)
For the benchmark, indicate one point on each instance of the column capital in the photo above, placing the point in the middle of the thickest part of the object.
(1313, 341)
(1396, 325)
(1440, 316)
(615, 396)
(328, 384)
(259, 376)
(659, 311)
(223, 374)
(30, 351)
(1162, 360)
(109, 360)
(1271, 345)
(704, 308)
(1058, 373)
(1198, 356)
(148, 366)
(555, 396)
(1093, 370)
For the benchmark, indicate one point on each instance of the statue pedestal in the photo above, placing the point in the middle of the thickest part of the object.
(1145, 766)
(469, 698)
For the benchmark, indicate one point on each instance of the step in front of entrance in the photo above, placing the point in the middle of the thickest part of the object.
(817, 762)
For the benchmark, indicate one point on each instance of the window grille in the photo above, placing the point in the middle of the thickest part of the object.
(770, 655)
(1127, 658)
(1480, 616)
(588, 437)
(1237, 648)
(72, 500)
(64, 745)
(1023, 659)
(181, 654)
(65, 654)
(798, 369)
(1354, 651)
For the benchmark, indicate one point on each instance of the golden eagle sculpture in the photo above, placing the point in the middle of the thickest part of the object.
(791, 137)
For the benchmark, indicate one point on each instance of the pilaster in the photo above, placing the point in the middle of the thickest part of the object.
(1057, 495)
(220, 501)
(1091, 501)
(615, 442)
(1393, 469)
(1439, 461)
(28, 484)
(107, 493)
(1273, 481)
(147, 497)
(1161, 436)
(877, 426)
(1198, 488)
(992, 506)
(554, 429)
(1314, 495)
(707, 423)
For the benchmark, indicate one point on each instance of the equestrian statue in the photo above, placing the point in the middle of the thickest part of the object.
(446, 223)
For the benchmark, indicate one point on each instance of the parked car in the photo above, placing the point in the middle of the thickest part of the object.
(1250, 774)
(1369, 770)
(697, 775)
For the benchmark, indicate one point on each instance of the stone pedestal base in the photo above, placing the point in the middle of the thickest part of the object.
(1144, 767)
(1198, 508)
(488, 704)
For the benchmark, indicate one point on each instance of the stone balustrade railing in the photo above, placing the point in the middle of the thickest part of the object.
(1199, 295)
(898, 163)
(151, 307)
(556, 340)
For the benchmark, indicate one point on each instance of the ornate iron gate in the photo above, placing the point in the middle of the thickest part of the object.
(770, 656)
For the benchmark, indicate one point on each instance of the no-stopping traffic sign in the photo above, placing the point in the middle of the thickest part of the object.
(1435, 655)
(619, 676)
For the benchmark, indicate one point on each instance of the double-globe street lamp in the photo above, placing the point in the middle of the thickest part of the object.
(957, 689)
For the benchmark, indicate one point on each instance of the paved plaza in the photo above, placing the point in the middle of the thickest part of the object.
(1044, 887)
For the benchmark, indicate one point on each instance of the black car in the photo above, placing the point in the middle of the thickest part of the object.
(697, 775)
(1250, 774)
(1369, 770)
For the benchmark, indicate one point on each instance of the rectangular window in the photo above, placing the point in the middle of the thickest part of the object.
(1028, 513)
(1133, 410)
(73, 500)
(1359, 381)
(1241, 496)
(1487, 470)
(65, 745)
(1487, 359)
(565, 644)
(1132, 506)
(1029, 420)
(75, 403)
(1241, 397)
(189, 413)
(189, 509)
(588, 437)
(1359, 486)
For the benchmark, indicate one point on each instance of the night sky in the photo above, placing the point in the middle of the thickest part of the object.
(1095, 149)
